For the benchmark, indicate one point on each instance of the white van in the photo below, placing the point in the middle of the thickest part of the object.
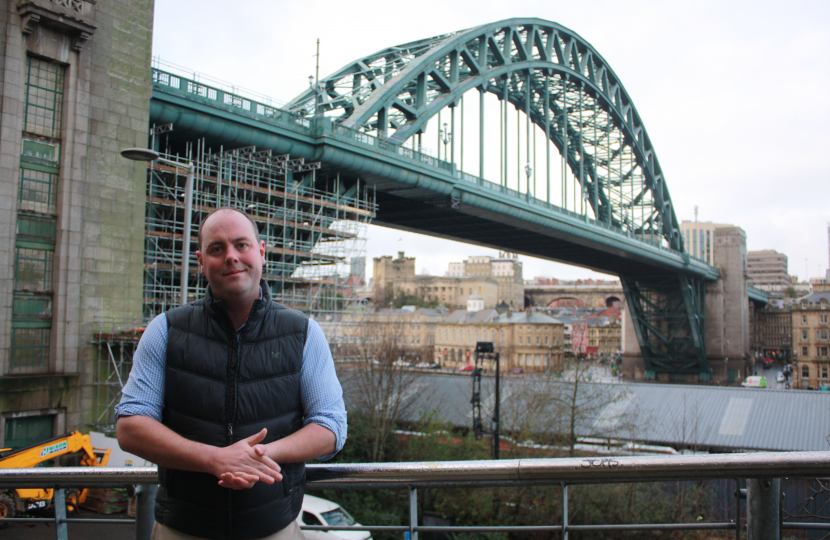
(317, 511)
(755, 381)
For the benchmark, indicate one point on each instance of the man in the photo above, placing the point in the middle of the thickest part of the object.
(230, 395)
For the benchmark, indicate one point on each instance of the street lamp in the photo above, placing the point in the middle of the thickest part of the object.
(528, 172)
(145, 154)
(446, 137)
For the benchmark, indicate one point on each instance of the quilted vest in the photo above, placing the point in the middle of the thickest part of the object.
(220, 387)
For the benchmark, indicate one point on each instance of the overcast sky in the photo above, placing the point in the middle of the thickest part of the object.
(734, 94)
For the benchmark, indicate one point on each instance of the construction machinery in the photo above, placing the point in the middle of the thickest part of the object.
(14, 501)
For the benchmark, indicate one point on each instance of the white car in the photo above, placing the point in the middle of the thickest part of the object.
(779, 377)
(317, 511)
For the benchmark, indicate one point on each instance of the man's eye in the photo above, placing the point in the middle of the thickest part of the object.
(242, 245)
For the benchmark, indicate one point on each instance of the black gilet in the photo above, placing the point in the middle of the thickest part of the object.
(221, 387)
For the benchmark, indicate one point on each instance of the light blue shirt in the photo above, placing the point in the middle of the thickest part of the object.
(320, 391)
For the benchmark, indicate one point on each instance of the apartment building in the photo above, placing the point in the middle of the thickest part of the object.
(811, 341)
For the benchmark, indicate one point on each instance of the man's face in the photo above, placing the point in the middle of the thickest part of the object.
(230, 257)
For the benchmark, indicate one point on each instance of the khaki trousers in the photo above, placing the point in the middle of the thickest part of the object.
(163, 532)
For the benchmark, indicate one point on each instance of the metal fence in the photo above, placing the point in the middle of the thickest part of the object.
(761, 471)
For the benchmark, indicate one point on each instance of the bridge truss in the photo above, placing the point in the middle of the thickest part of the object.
(568, 91)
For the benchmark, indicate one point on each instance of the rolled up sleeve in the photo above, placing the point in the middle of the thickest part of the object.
(322, 394)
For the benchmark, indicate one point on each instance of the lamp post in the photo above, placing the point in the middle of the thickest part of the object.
(528, 172)
(446, 137)
(145, 154)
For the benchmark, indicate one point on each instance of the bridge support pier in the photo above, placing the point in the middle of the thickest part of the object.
(725, 324)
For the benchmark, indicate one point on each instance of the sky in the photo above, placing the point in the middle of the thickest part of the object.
(733, 94)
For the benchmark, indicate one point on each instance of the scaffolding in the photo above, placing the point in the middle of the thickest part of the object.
(313, 224)
(116, 341)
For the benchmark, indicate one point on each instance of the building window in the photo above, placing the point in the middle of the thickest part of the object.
(824, 370)
(804, 352)
(538, 340)
(33, 269)
(805, 372)
(822, 351)
(804, 335)
(28, 430)
(38, 191)
(547, 340)
(44, 98)
(30, 347)
(803, 319)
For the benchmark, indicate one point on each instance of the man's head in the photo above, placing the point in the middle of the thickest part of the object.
(231, 255)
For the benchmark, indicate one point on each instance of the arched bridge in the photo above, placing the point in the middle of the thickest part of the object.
(607, 207)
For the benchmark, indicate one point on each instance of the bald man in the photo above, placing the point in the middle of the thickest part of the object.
(230, 395)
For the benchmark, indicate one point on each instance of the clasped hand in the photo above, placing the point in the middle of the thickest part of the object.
(245, 463)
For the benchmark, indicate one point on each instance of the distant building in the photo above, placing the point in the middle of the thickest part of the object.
(386, 270)
(506, 270)
(699, 238)
(527, 340)
(452, 292)
(811, 340)
(773, 333)
(408, 331)
(767, 269)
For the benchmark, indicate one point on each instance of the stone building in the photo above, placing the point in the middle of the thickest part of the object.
(604, 337)
(811, 341)
(386, 270)
(526, 340)
(363, 333)
(772, 333)
(75, 83)
(452, 292)
(505, 270)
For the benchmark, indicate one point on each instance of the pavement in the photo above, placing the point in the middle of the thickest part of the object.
(46, 531)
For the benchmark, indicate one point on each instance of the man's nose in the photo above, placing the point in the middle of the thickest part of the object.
(232, 255)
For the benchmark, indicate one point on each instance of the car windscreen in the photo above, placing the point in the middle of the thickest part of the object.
(338, 517)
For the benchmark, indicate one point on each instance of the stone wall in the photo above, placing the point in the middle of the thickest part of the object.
(105, 50)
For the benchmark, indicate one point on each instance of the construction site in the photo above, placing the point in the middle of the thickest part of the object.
(313, 227)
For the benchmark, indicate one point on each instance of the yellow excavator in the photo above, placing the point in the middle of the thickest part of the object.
(23, 500)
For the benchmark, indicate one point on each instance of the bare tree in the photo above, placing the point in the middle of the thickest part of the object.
(570, 407)
(377, 384)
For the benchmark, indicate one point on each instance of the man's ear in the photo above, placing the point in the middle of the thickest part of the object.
(262, 251)
(201, 265)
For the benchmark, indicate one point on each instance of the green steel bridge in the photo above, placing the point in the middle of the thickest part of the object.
(607, 208)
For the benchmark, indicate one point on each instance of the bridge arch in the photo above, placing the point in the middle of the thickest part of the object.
(563, 85)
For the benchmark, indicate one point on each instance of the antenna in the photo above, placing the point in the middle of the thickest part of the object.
(317, 69)
(695, 213)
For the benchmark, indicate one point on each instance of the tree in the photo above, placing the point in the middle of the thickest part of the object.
(561, 408)
(379, 385)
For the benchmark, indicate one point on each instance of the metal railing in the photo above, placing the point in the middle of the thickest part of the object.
(762, 471)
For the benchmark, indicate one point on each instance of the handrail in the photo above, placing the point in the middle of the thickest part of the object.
(480, 473)
(762, 471)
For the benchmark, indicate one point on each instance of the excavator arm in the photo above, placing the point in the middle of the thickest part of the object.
(35, 454)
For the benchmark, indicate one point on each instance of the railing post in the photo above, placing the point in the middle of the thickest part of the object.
(763, 508)
(59, 501)
(564, 511)
(413, 513)
(144, 510)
